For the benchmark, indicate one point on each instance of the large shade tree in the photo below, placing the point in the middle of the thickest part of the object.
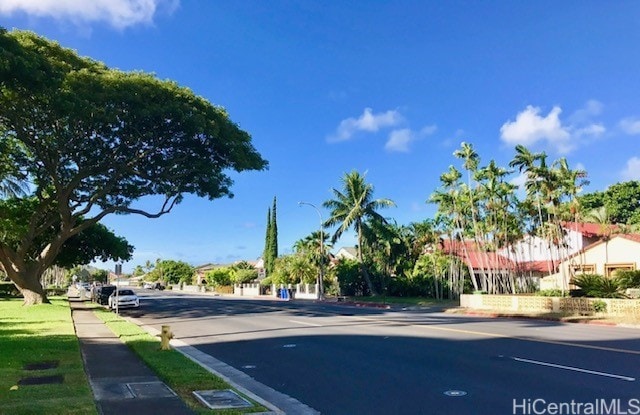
(350, 208)
(90, 141)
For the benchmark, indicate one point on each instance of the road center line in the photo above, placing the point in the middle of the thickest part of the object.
(305, 323)
(575, 369)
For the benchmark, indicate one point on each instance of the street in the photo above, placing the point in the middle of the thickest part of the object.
(341, 359)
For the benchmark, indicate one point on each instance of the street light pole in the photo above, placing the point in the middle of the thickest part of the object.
(321, 273)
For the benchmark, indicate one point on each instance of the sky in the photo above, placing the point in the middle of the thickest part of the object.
(387, 88)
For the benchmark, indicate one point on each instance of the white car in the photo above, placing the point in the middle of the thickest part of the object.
(125, 298)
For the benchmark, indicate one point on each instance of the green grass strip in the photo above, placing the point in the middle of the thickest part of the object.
(409, 301)
(37, 334)
(179, 372)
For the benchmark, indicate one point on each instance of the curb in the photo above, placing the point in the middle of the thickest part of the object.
(543, 318)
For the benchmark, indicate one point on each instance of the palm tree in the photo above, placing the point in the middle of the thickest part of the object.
(350, 208)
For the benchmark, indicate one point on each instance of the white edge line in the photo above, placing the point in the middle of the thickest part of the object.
(305, 323)
(575, 369)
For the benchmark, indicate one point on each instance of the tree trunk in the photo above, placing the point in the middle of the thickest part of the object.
(31, 289)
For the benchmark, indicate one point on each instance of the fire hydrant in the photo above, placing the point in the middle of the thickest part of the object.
(165, 336)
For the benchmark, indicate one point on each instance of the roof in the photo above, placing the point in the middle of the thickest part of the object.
(590, 229)
(482, 259)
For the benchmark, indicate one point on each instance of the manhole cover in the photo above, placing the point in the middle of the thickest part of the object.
(455, 393)
(150, 390)
(48, 364)
(221, 399)
(41, 380)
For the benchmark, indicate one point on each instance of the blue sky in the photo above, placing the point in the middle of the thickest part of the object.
(390, 88)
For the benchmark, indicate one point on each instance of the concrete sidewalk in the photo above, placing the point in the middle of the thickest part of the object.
(121, 382)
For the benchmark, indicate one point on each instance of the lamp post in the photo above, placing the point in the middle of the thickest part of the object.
(321, 273)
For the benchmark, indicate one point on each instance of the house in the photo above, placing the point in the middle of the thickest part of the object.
(347, 253)
(202, 270)
(532, 259)
(604, 257)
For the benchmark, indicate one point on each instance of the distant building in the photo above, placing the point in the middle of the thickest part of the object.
(347, 253)
(202, 270)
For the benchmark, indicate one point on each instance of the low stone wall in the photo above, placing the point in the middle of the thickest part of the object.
(537, 304)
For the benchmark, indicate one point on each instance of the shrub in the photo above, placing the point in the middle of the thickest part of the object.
(554, 292)
(219, 277)
(242, 276)
(8, 289)
(350, 282)
(599, 306)
(628, 278)
(594, 285)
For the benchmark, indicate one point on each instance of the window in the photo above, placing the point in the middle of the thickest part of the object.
(583, 269)
(609, 269)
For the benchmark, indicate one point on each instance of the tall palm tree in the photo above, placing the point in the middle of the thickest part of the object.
(350, 208)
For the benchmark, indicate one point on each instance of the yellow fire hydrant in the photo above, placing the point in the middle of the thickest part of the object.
(165, 336)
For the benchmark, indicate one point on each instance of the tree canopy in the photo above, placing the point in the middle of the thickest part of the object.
(89, 141)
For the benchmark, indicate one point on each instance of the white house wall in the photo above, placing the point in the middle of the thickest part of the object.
(618, 250)
(534, 248)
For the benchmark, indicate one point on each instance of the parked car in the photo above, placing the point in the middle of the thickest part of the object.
(124, 298)
(102, 293)
(153, 286)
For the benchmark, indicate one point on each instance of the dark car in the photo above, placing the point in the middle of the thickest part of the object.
(103, 293)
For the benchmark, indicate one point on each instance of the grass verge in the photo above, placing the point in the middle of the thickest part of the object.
(409, 301)
(179, 372)
(37, 334)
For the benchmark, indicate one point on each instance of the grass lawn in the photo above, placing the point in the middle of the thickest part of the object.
(409, 301)
(179, 372)
(36, 334)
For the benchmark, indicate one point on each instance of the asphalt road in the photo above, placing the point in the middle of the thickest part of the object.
(345, 360)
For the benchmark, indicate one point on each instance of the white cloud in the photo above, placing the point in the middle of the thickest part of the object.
(519, 180)
(592, 130)
(584, 115)
(630, 126)
(117, 13)
(428, 130)
(368, 122)
(632, 171)
(530, 127)
(399, 140)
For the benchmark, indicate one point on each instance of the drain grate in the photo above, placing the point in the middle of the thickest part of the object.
(45, 365)
(41, 380)
(150, 390)
(222, 399)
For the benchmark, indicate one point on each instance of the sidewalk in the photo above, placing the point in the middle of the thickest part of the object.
(121, 383)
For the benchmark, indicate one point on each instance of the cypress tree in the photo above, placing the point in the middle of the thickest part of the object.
(274, 234)
(266, 255)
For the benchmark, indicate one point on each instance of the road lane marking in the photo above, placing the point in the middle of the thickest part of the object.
(575, 369)
(505, 336)
(305, 323)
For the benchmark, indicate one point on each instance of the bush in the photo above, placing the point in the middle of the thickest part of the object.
(219, 277)
(8, 289)
(242, 276)
(594, 285)
(554, 292)
(628, 278)
(599, 306)
(350, 281)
